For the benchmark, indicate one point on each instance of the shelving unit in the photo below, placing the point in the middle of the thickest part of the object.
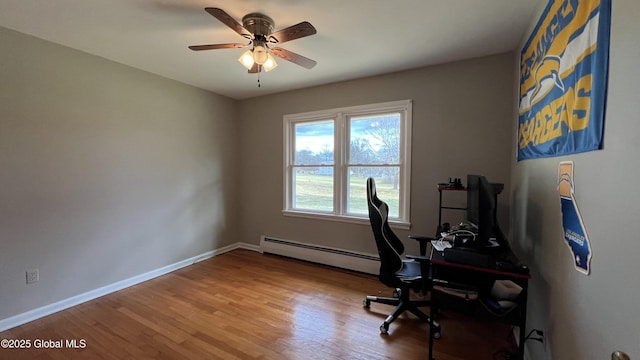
(441, 189)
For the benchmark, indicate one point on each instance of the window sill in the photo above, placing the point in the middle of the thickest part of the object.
(395, 224)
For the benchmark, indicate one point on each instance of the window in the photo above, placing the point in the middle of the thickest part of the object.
(330, 154)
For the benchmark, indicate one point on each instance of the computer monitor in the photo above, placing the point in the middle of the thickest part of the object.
(481, 210)
(473, 195)
(486, 211)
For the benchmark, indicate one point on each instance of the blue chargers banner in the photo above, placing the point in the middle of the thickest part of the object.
(563, 80)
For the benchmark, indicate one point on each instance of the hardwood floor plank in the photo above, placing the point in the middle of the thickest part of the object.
(246, 305)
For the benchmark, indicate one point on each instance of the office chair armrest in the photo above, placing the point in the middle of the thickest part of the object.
(423, 240)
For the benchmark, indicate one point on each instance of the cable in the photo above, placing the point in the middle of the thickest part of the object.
(463, 231)
(440, 242)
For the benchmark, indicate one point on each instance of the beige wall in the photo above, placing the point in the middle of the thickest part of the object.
(462, 116)
(588, 317)
(106, 172)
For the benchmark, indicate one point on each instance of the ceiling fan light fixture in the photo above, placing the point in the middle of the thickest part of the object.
(270, 64)
(247, 59)
(260, 55)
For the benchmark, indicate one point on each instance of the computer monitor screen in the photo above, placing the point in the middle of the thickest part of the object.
(486, 211)
(473, 194)
(481, 210)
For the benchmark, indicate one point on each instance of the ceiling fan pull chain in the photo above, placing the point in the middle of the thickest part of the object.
(259, 78)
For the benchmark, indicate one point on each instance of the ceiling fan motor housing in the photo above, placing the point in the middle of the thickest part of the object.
(258, 24)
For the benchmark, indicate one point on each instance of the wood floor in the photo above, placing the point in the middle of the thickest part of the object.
(247, 305)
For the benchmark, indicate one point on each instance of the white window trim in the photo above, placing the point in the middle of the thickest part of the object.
(340, 116)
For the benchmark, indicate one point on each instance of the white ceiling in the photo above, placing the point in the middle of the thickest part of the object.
(355, 38)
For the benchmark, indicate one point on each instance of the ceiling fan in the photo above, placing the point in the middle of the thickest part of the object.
(258, 29)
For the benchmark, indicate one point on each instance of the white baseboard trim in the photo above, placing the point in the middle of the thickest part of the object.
(43, 311)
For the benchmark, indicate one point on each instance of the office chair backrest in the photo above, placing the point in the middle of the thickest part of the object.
(390, 248)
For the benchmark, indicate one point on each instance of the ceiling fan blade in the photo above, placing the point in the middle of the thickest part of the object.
(217, 46)
(227, 20)
(294, 32)
(254, 69)
(294, 58)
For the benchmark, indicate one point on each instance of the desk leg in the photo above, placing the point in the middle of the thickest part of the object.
(432, 327)
(523, 321)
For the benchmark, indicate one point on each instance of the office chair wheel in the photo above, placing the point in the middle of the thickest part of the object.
(384, 329)
(366, 303)
(397, 293)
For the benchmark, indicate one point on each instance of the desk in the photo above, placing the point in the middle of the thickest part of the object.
(474, 276)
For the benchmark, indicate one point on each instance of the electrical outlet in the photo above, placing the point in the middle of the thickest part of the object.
(33, 276)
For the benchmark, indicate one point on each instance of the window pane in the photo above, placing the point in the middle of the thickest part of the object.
(375, 139)
(313, 188)
(387, 186)
(314, 143)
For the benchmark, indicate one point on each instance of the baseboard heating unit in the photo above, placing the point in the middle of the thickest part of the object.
(345, 259)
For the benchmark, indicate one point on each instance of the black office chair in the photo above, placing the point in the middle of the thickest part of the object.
(396, 272)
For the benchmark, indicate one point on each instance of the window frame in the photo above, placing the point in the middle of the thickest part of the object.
(342, 137)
